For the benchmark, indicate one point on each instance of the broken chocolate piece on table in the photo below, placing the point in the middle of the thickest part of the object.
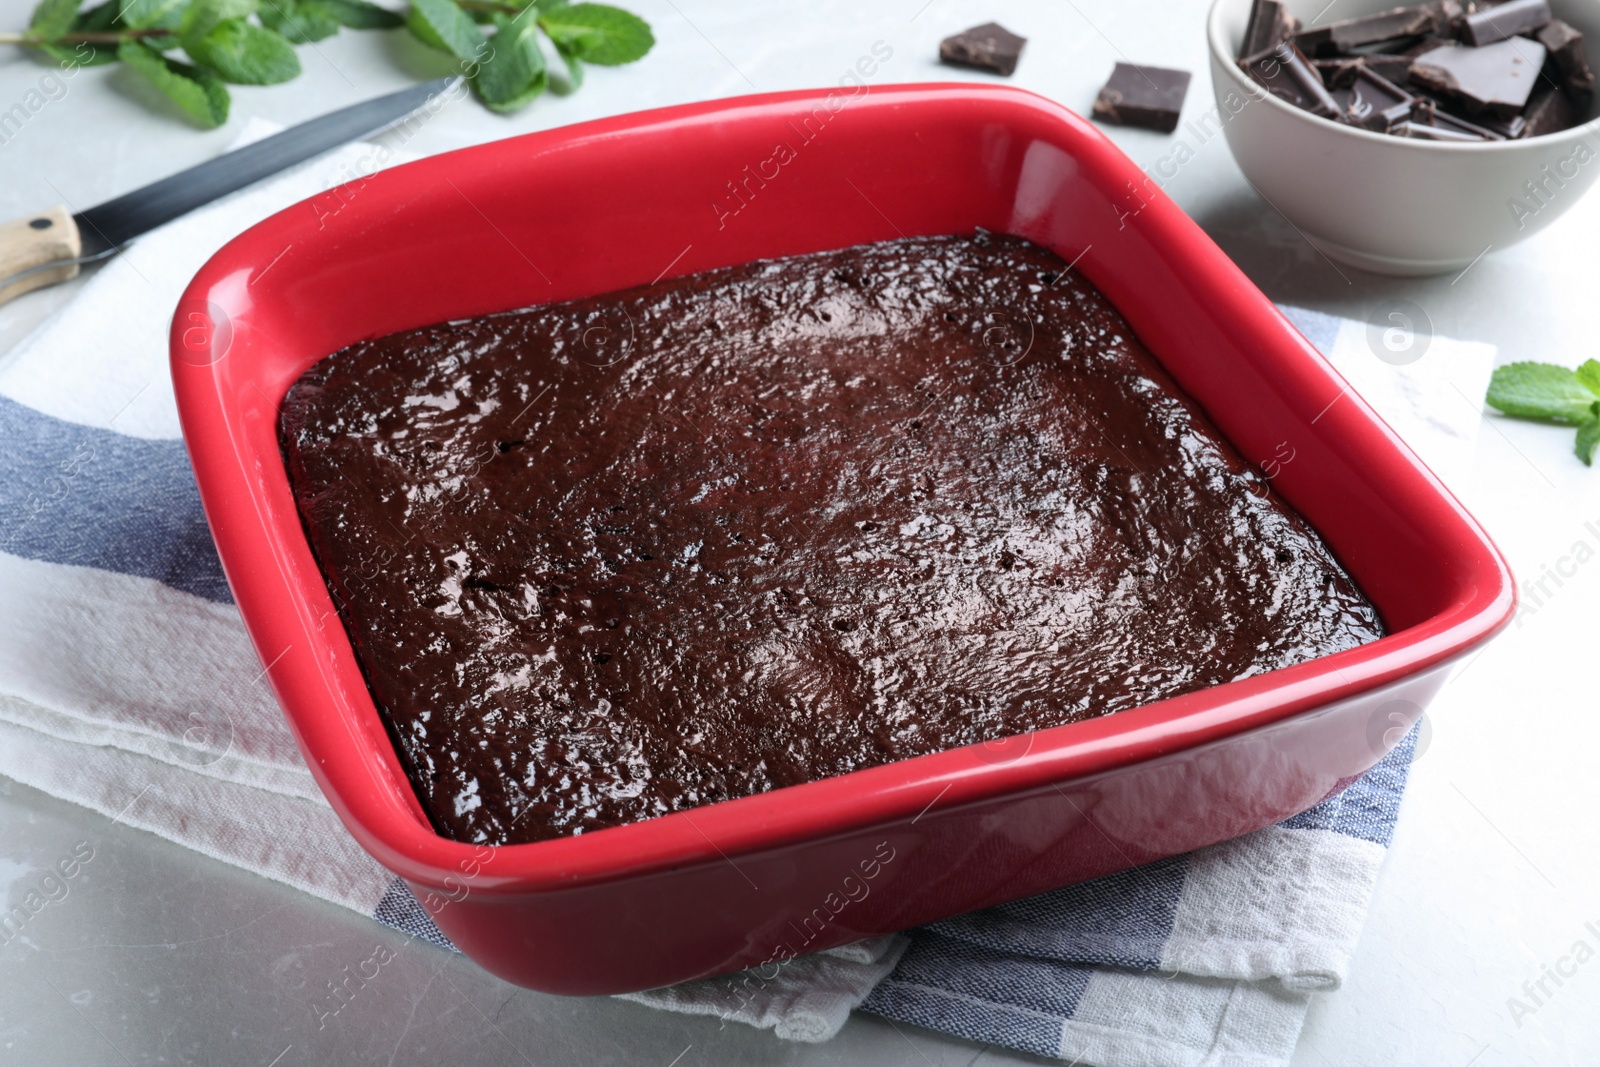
(987, 47)
(1268, 27)
(1565, 47)
(1376, 103)
(1147, 97)
(1289, 76)
(1550, 112)
(1497, 78)
(1500, 22)
(1393, 25)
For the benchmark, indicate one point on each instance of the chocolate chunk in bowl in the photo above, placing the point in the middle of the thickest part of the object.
(1502, 21)
(1550, 111)
(1365, 30)
(751, 528)
(1376, 103)
(1430, 121)
(1570, 62)
(1496, 78)
(1467, 72)
(1288, 75)
(1269, 26)
(1340, 72)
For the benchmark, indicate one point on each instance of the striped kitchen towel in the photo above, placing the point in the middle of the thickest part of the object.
(127, 685)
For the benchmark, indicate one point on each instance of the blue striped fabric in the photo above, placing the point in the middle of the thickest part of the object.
(401, 910)
(1122, 919)
(1012, 975)
(87, 497)
(991, 997)
(1368, 807)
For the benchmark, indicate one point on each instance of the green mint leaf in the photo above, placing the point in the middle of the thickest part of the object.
(245, 54)
(573, 81)
(441, 24)
(99, 18)
(198, 92)
(1588, 438)
(1588, 374)
(298, 21)
(203, 16)
(151, 14)
(1542, 391)
(52, 18)
(360, 15)
(597, 33)
(514, 72)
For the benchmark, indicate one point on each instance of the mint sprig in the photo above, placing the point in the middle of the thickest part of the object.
(1548, 392)
(188, 49)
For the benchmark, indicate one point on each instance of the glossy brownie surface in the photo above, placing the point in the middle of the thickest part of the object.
(627, 555)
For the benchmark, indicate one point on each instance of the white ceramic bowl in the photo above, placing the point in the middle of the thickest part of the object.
(1391, 204)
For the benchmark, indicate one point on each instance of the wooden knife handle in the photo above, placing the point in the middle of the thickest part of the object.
(38, 239)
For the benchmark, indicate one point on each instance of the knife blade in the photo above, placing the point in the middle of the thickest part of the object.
(51, 246)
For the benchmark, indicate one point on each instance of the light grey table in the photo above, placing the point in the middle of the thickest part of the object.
(161, 956)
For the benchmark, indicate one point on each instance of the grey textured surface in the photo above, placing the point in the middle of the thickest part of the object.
(160, 956)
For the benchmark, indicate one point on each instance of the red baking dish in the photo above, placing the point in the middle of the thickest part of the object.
(623, 201)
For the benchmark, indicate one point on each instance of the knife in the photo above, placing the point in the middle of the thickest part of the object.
(50, 246)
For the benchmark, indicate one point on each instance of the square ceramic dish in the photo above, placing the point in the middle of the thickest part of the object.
(619, 202)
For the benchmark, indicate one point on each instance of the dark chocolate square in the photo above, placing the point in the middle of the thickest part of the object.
(1147, 97)
(1500, 22)
(1568, 66)
(1376, 103)
(1497, 78)
(1269, 26)
(1550, 111)
(1398, 24)
(987, 47)
(1289, 76)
